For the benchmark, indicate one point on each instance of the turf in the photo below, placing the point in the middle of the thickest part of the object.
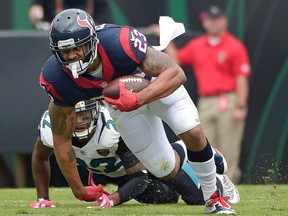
(264, 200)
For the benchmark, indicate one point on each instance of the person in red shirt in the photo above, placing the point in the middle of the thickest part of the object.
(221, 66)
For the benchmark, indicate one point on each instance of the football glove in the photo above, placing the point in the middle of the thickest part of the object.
(127, 101)
(42, 203)
(104, 201)
(93, 193)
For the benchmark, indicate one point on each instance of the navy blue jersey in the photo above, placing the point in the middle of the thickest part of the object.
(121, 49)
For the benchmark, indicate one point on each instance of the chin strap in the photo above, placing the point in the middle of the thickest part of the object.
(76, 66)
(73, 68)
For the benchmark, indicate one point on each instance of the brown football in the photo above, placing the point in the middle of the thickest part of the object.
(132, 83)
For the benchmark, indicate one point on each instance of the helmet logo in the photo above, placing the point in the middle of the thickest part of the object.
(84, 23)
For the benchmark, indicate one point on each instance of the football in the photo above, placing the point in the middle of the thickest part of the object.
(132, 83)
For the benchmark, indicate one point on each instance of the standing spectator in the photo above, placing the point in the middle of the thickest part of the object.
(42, 12)
(221, 66)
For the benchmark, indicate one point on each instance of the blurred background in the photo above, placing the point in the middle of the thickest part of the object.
(262, 25)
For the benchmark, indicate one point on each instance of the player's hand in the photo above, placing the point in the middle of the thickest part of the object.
(106, 192)
(42, 203)
(104, 201)
(127, 101)
(93, 193)
(239, 115)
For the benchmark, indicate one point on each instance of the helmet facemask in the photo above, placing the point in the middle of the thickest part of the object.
(80, 65)
(87, 113)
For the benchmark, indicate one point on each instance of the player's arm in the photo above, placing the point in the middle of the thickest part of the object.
(169, 76)
(41, 174)
(41, 168)
(137, 180)
(242, 90)
(62, 125)
(241, 68)
(135, 185)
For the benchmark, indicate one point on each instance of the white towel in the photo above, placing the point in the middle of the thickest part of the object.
(169, 29)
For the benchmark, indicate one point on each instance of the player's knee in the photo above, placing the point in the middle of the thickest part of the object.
(171, 175)
(194, 139)
(175, 170)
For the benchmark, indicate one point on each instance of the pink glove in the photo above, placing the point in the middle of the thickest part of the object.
(104, 201)
(93, 193)
(42, 203)
(127, 101)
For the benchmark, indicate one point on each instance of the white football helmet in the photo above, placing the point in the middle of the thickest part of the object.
(87, 113)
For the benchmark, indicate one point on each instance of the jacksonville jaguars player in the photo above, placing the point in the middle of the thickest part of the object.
(99, 148)
(85, 60)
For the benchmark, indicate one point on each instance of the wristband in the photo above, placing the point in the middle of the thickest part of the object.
(42, 199)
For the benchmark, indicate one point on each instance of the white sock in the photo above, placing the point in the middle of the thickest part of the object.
(206, 173)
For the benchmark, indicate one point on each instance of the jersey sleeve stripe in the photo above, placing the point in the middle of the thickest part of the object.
(124, 40)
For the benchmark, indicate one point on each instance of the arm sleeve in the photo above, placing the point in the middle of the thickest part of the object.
(124, 47)
(127, 157)
(136, 183)
(185, 54)
(133, 43)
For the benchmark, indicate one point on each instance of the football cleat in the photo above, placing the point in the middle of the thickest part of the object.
(220, 162)
(229, 189)
(217, 204)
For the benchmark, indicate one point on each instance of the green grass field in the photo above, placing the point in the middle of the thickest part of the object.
(264, 200)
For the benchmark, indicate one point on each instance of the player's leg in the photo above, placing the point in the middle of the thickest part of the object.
(180, 113)
(40, 163)
(207, 108)
(186, 182)
(144, 135)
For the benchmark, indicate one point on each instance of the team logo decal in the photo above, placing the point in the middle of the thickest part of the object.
(104, 84)
(103, 152)
(222, 57)
(84, 23)
(245, 68)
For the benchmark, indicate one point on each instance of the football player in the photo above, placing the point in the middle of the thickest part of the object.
(99, 148)
(86, 58)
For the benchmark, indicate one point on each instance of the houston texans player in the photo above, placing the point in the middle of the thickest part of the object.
(99, 148)
(85, 59)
